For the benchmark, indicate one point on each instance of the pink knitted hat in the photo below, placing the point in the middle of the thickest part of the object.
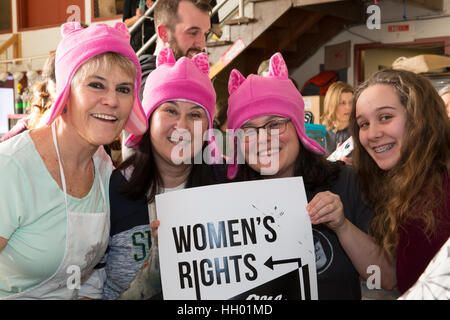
(78, 45)
(185, 79)
(273, 94)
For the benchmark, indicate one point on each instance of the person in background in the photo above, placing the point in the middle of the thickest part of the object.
(132, 11)
(54, 211)
(270, 107)
(43, 96)
(178, 95)
(181, 25)
(445, 95)
(401, 157)
(336, 114)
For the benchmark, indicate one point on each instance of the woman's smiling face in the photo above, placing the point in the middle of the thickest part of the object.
(173, 126)
(276, 154)
(381, 119)
(99, 104)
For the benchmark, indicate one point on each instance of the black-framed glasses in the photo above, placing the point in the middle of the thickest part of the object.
(276, 124)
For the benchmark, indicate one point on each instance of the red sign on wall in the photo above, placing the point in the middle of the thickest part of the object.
(398, 28)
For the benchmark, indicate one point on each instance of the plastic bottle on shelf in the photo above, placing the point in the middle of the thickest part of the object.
(18, 106)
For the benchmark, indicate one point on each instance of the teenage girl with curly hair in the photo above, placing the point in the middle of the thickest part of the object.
(401, 135)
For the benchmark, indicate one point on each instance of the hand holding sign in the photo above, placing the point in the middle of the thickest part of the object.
(326, 207)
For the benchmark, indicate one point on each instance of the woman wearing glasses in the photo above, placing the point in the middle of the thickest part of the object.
(269, 113)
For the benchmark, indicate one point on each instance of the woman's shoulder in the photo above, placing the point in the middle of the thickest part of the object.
(19, 154)
(16, 144)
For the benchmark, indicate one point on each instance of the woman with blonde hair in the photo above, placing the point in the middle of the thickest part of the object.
(401, 136)
(337, 107)
(54, 211)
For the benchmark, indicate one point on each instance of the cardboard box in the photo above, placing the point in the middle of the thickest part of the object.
(422, 63)
(314, 104)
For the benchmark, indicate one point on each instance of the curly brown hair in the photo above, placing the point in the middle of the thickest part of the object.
(412, 190)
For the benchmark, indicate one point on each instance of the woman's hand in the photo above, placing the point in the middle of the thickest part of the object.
(363, 251)
(326, 207)
(154, 231)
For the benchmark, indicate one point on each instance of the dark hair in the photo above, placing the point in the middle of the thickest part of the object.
(145, 179)
(317, 172)
(166, 11)
(221, 114)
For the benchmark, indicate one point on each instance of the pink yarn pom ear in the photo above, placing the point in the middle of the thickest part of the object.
(68, 27)
(235, 81)
(122, 28)
(277, 67)
(202, 62)
(165, 56)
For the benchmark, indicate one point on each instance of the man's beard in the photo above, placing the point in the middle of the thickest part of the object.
(178, 53)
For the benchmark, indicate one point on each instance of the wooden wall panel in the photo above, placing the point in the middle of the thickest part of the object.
(42, 13)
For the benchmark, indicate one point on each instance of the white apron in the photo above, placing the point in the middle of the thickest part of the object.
(87, 236)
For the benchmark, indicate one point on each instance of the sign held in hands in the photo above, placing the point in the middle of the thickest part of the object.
(245, 240)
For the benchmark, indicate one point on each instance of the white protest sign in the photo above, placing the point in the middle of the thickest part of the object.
(246, 240)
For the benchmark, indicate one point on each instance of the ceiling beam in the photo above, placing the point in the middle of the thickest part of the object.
(309, 43)
(353, 10)
(299, 27)
(436, 5)
(300, 3)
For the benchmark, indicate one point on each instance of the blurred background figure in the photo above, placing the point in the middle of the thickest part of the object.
(337, 108)
(132, 11)
(215, 26)
(43, 97)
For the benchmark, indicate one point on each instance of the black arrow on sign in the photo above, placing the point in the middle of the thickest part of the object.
(270, 263)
